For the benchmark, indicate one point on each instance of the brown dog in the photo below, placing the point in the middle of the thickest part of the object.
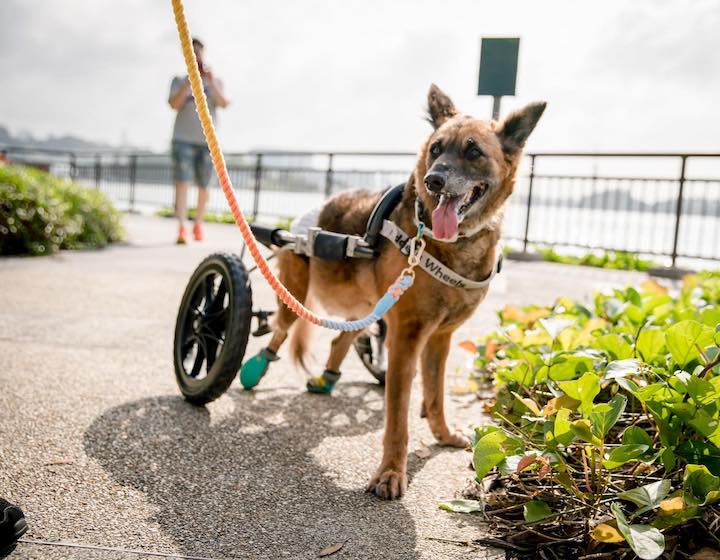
(464, 174)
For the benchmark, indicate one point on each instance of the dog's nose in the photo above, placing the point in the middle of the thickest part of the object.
(435, 181)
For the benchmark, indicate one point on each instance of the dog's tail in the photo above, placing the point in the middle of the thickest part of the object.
(299, 343)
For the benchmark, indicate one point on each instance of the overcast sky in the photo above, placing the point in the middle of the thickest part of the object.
(353, 74)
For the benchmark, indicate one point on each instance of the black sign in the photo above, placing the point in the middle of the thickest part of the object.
(498, 66)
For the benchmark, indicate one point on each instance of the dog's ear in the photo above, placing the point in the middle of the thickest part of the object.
(440, 107)
(517, 126)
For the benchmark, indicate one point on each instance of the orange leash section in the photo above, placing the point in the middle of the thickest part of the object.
(221, 169)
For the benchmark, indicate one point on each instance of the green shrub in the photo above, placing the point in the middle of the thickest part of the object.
(220, 218)
(617, 260)
(606, 434)
(41, 213)
(210, 217)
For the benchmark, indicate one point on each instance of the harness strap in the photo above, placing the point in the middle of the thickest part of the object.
(434, 267)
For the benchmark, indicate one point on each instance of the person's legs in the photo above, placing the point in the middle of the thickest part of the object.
(181, 189)
(203, 172)
(182, 162)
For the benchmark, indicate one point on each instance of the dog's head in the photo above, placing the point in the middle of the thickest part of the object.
(466, 168)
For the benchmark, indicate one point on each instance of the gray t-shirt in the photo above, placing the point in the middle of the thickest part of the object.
(187, 124)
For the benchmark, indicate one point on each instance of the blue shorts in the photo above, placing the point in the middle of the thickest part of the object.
(191, 162)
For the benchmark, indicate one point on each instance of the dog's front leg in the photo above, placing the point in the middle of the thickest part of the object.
(404, 342)
(433, 359)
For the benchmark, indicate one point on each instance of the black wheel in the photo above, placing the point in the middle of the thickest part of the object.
(370, 347)
(212, 328)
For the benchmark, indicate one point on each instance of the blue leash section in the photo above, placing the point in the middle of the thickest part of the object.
(384, 304)
(394, 292)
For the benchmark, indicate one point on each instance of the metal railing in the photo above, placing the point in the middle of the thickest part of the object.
(661, 204)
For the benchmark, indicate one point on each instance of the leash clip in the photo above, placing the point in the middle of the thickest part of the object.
(417, 246)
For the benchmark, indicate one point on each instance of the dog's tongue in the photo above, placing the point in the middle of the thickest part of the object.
(445, 219)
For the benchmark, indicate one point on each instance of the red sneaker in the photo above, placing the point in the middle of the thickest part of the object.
(182, 236)
(198, 232)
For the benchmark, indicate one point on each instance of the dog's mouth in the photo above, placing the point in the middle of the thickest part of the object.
(451, 211)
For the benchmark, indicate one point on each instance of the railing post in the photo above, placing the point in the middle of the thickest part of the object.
(133, 174)
(529, 202)
(329, 176)
(98, 171)
(73, 165)
(258, 186)
(678, 209)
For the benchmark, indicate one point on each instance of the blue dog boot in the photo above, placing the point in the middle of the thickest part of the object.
(323, 384)
(256, 367)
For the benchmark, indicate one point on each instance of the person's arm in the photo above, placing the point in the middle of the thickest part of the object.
(179, 95)
(216, 91)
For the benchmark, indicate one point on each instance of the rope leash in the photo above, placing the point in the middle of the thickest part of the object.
(395, 291)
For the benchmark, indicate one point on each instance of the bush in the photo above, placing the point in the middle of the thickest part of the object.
(220, 218)
(41, 213)
(210, 217)
(617, 260)
(607, 434)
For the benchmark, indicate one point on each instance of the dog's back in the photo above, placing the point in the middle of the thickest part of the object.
(348, 212)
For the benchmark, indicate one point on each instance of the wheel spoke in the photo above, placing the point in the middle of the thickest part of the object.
(209, 291)
(186, 346)
(210, 335)
(199, 359)
(211, 348)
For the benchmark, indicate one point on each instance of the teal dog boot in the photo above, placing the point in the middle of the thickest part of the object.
(323, 384)
(256, 367)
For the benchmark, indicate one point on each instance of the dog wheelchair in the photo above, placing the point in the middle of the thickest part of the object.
(216, 315)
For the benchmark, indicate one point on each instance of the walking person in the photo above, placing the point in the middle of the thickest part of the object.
(190, 155)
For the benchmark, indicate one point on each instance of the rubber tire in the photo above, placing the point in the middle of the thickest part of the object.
(228, 362)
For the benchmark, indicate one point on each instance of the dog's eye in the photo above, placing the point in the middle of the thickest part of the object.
(436, 149)
(473, 152)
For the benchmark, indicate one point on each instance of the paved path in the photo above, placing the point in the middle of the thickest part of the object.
(99, 449)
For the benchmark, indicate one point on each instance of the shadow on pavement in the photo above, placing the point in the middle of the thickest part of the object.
(247, 485)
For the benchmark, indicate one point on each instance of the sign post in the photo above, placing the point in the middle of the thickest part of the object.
(498, 69)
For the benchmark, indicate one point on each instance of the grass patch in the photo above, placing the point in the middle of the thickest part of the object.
(220, 218)
(606, 439)
(616, 260)
(41, 213)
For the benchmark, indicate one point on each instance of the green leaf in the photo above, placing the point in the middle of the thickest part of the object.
(604, 415)
(650, 344)
(702, 392)
(613, 308)
(584, 390)
(536, 510)
(563, 430)
(647, 497)
(707, 425)
(615, 345)
(555, 325)
(623, 454)
(647, 542)
(700, 486)
(635, 435)
(582, 429)
(622, 368)
(491, 449)
(461, 506)
(679, 518)
(700, 453)
(684, 338)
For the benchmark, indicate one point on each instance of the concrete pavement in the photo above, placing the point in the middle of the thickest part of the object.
(99, 449)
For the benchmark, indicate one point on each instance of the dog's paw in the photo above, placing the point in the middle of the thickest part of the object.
(388, 485)
(456, 439)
